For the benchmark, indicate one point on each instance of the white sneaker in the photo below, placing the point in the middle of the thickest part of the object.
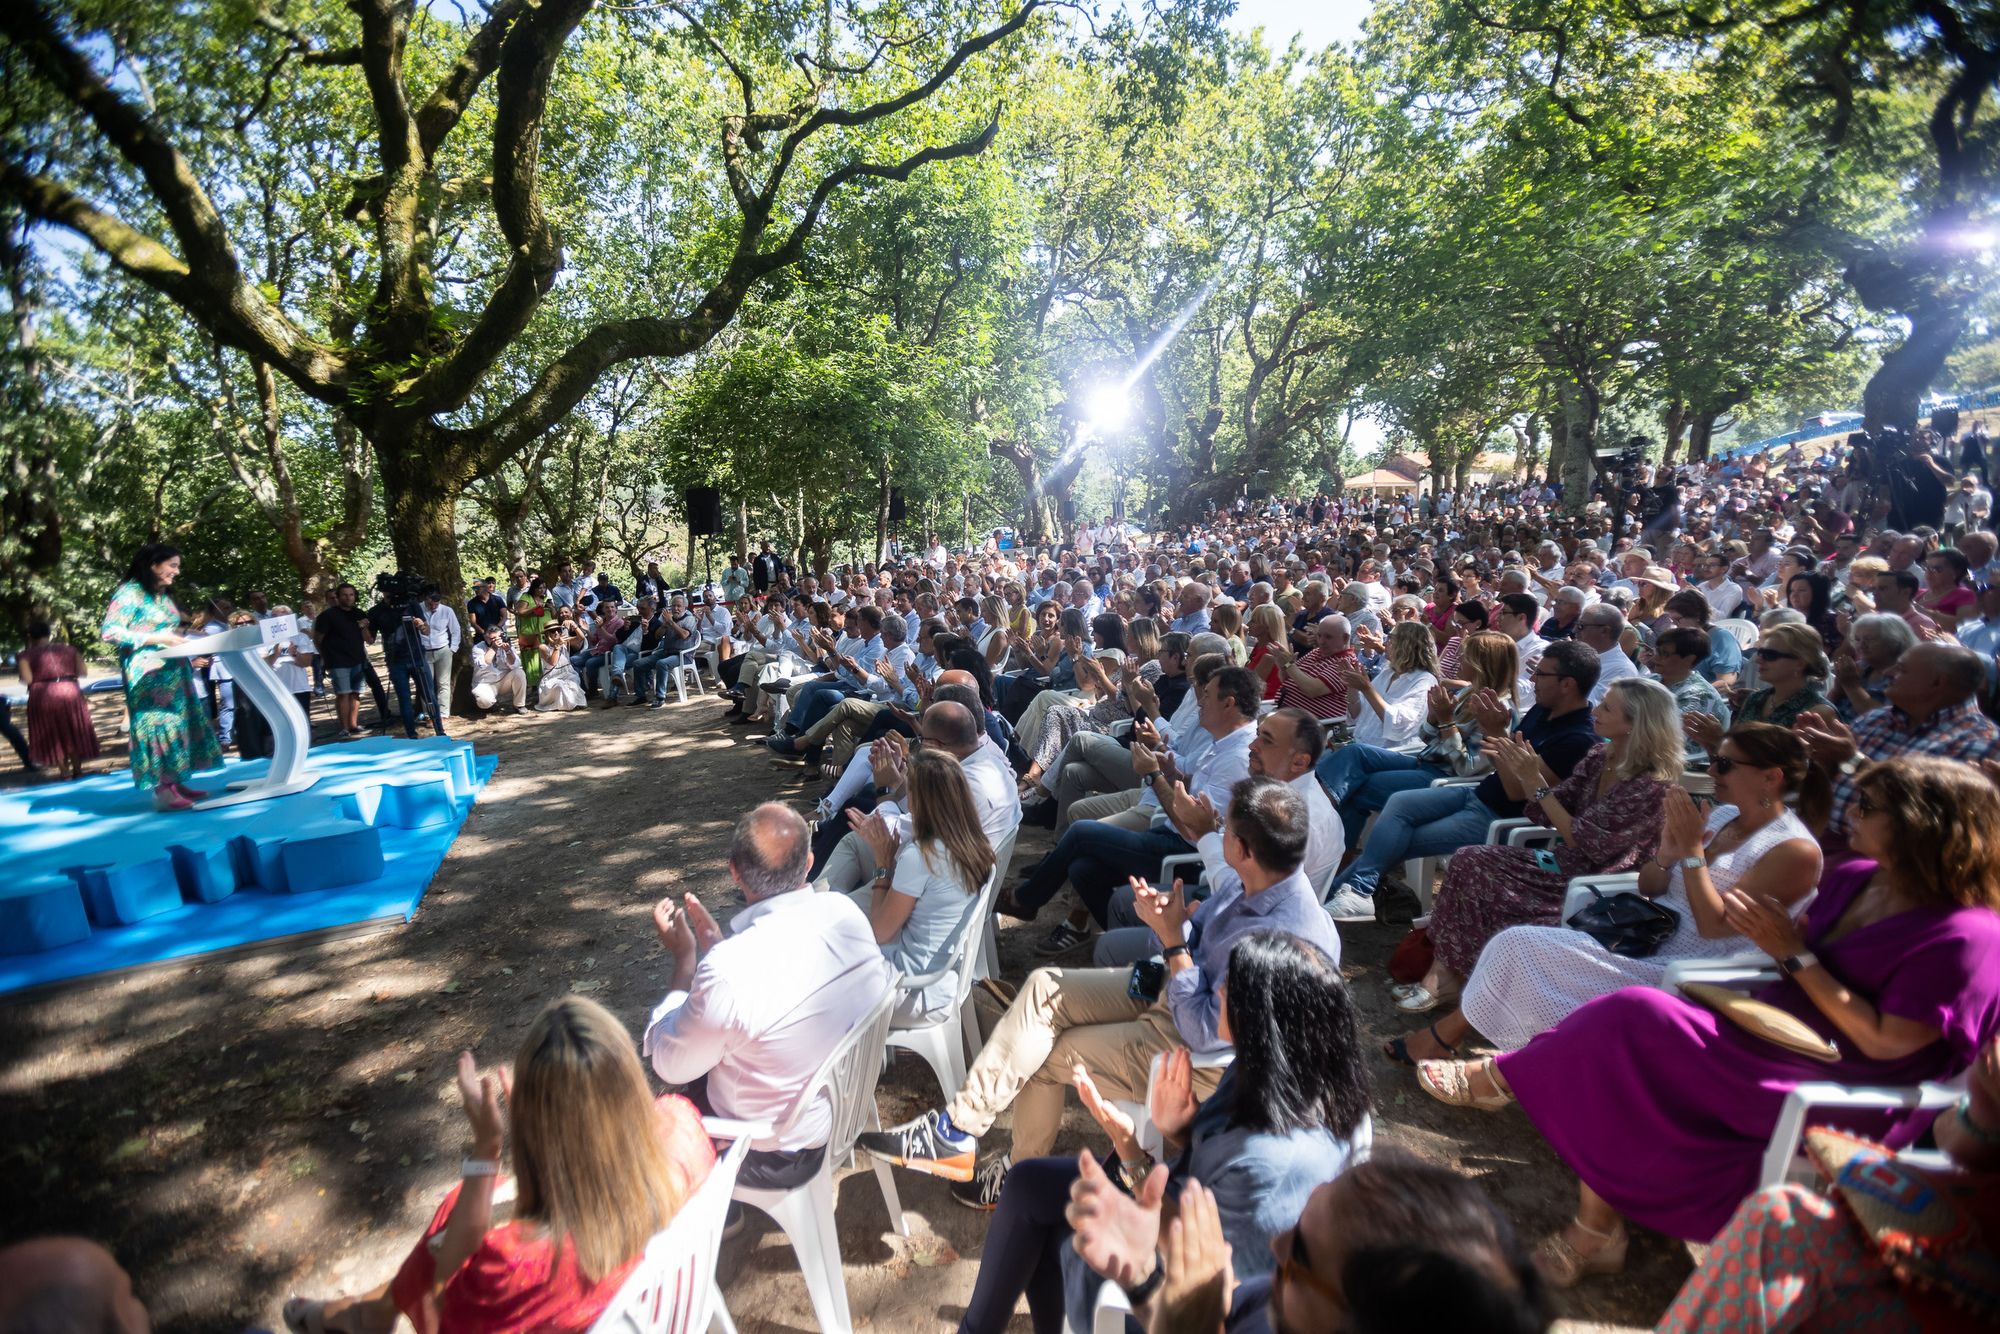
(1347, 905)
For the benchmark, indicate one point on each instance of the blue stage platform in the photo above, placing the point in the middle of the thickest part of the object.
(94, 880)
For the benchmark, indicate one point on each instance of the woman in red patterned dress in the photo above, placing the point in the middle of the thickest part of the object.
(59, 729)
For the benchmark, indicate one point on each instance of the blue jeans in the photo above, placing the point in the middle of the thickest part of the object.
(401, 672)
(1096, 859)
(649, 674)
(1422, 822)
(586, 668)
(814, 703)
(1359, 779)
(224, 694)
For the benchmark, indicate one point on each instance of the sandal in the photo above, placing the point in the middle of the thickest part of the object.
(1448, 1082)
(1562, 1265)
(1399, 1050)
(1398, 990)
(1418, 1000)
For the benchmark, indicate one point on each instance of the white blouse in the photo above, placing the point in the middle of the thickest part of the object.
(1408, 699)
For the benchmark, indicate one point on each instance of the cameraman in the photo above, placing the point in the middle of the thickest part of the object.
(399, 622)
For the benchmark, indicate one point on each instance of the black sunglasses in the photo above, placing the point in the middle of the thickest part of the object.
(1771, 654)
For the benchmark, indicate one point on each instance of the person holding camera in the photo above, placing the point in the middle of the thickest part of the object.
(399, 622)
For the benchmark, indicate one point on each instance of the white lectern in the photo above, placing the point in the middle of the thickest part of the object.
(243, 649)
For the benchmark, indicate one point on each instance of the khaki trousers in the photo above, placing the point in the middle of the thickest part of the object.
(849, 718)
(1115, 808)
(1090, 763)
(1064, 1017)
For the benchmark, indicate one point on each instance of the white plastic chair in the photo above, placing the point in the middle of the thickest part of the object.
(946, 1042)
(805, 1213)
(987, 963)
(680, 671)
(672, 1291)
(1744, 632)
(1783, 1160)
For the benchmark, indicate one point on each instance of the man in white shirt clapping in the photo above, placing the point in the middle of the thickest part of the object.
(749, 1017)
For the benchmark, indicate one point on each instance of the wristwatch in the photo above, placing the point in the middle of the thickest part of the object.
(1795, 963)
(1542, 792)
(1694, 861)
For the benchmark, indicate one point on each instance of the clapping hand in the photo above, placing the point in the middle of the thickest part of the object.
(1830, 740)
(1171, 1102)
(1438, 700)
(1706, 729)
(484, 1099)
(1199, 1277)
(1145, 760)
(1764, 922)
(887, 760)
(1115, 1234)
(1114, 1122)
(1166, 912)
(1491, 712)
(1680, 836)
(874, 831)
(1194, 818)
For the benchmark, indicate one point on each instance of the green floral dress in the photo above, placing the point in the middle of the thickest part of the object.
(171, 736)
(531, 617)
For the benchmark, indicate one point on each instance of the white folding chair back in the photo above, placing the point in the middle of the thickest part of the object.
(673, 1289)
(847, 1079)
(1744, 632)
(987, 962)
(947, 1042)
(1782, 1158)
(1421, 873)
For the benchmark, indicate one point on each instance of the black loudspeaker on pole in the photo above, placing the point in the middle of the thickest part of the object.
(704, 510)
(896, 510)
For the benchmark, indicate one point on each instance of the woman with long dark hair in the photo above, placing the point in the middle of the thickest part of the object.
(1291, 1112)
(171, 738)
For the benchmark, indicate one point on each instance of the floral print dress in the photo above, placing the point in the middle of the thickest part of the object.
(171, 735)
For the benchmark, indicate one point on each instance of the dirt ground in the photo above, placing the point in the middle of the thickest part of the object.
(285, 1122)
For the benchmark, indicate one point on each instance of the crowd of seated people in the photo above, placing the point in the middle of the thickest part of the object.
(1781, 749)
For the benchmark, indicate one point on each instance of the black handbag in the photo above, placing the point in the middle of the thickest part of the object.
(1629, 925)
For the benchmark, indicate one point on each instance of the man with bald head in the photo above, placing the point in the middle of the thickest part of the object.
(1933, 709)
(55, 1284)
(951, 726)
(749, 1017)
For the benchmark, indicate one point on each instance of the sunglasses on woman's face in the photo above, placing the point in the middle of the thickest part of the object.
(1771, 654)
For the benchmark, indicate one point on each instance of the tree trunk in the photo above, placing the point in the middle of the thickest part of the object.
(1675, 419)
(422, 504)
(743, 527)
(30, 513)
(1700, 435)
(883, 492)
(1896, 389)
(1583, 408)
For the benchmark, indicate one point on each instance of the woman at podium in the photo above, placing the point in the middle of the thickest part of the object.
(170, 732)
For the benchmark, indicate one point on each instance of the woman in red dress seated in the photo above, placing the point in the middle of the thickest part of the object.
(600, 1167)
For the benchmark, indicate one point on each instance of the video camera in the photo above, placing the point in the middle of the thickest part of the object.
(401, 587)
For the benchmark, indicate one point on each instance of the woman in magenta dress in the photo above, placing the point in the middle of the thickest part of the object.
(594, 1156)
(59, 730)
(1664, 1107)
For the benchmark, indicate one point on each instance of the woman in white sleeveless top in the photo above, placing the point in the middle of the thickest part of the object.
(1759, 842)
